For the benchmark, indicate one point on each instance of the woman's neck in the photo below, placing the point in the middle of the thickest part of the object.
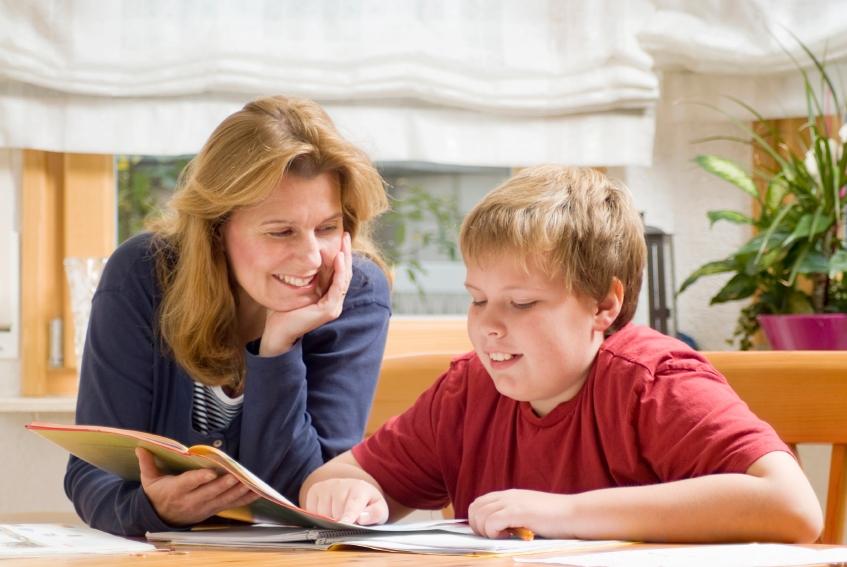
(251, 318)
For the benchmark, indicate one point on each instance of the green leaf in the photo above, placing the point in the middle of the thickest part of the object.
(805, 229)
(813, 263)
(731, 216)
(728, 171)
(399, 234)
(757, 263)
(838, 263)
(799, 302)
(777, 188)
(741, 286)
(768, 238)
(708, 269)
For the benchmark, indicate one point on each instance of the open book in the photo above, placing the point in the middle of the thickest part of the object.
(423, 537)
(113, 450)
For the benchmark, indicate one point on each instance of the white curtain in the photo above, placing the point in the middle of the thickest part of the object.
(742, 37)
(478, 82)
(483, 82)
(748, 49)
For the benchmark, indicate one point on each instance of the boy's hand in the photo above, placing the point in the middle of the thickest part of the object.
(283, 328)
(348, 500)
(192, 496)
(491, 515)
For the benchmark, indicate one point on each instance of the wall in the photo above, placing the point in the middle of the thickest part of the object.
(33, 468)
(675, 194)
(9, 366)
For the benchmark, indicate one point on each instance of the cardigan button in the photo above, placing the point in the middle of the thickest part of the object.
(217, 443)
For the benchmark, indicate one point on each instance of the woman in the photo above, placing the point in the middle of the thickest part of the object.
(253, 318)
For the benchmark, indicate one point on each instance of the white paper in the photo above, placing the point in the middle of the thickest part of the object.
(460, 544)
(727, 555)
(33, 540)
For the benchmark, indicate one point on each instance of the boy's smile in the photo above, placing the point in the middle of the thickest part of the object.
(535, 339)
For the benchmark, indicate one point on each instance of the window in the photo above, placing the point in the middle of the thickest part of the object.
(418, 236)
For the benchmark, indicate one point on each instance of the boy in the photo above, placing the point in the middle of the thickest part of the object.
(567, 419)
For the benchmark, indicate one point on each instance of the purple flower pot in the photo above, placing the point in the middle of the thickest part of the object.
(814, 331)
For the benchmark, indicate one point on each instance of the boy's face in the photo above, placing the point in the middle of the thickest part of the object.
(536, 339)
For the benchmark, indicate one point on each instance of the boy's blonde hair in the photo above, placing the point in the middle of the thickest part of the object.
(572, 223)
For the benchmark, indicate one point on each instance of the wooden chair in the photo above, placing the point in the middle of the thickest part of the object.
(803, 395)
(402, 379)
(414, 335)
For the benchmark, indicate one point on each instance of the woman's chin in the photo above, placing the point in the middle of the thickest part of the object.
(292, 303)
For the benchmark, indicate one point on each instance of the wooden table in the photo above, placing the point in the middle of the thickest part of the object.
(168, 556)
(266, 558)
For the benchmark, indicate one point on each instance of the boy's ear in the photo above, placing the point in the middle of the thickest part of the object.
(609, 307)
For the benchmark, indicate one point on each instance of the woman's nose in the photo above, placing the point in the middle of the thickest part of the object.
(310, 252)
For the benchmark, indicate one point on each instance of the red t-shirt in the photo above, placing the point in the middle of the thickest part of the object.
(652, 410)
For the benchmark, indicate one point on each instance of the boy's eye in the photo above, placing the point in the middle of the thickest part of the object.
(525, 305)
(478, 303)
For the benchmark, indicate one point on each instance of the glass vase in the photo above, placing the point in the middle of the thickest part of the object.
(83, 276)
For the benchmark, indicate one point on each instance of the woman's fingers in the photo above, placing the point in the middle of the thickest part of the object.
(342, 268)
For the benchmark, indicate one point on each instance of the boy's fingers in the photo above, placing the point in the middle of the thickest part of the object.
(354, 505)
(375, 513)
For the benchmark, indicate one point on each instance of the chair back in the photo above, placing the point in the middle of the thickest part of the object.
(402, 379)
(803, 395)
(415, 335)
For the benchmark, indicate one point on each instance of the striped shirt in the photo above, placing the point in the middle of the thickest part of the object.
(213, 410)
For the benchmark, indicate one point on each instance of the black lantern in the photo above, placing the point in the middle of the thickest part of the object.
(661, 299)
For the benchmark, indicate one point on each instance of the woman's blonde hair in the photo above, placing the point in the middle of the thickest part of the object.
(243, 160)
(573, 223)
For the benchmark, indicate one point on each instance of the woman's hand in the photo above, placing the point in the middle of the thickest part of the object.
(349, 500)
(192, 496)
(283, 328)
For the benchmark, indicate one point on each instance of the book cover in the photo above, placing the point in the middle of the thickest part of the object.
(113, 450)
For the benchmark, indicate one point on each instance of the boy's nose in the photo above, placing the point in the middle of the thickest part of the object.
(492, 325)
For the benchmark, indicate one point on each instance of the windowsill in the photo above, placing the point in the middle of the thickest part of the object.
(38, 405)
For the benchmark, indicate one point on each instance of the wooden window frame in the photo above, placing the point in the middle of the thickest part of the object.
(68, 208)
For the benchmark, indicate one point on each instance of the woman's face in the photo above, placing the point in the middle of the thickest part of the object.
(281, 250)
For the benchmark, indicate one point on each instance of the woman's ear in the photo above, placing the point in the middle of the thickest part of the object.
(609, 307)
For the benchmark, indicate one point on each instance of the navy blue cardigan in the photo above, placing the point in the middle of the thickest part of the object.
(300, 409)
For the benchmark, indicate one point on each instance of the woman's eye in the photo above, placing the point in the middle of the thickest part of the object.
(280, 233)
(525, 305)
(329, 228)
(478, 303)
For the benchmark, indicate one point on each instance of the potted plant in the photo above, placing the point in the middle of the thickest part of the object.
(792, 267)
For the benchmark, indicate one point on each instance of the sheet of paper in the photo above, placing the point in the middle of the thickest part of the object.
(460, 544)
(33, 540)
(729, 555)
